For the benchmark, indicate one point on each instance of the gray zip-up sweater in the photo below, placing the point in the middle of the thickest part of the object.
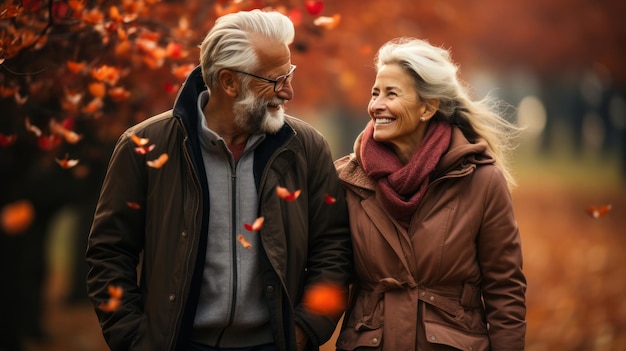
(231, 300)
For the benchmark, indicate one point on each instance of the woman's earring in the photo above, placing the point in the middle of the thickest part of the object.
(422, 119)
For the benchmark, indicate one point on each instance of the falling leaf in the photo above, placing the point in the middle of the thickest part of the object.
(115, 292)
(133, 205)
(19, 99)
(325, 298)
(48, 142)
(286, 195)
(256, 226)
(328, 22)
(17, 216)
(62, 130)
(314, 7)
(31, 127)
(142, 150)
(597, 212)
(159, 162)
(329, 199)
(243, 241)
(114, 301)
(7, 140)
(66, 163)
(139, 141)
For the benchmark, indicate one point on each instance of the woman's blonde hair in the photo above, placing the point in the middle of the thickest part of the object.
(436, 77)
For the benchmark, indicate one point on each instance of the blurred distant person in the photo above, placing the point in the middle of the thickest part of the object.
(229, 149)
(436, 245)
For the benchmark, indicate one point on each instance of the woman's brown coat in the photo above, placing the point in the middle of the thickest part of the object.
(454, 280)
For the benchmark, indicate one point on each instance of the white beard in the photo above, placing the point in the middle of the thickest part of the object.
(252, 115)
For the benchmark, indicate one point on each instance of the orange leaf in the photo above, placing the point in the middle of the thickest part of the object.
(76, 67)
(111, 305)
(17, 216)
(286, 195)
(256, 226)
(66, 163)
(328, 22)
(325, 298)
(597, 212)
(159, 162)
(139, 141)
(242, 240)
(115, 292)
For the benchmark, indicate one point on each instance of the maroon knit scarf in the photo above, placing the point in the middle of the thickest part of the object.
(402, 186)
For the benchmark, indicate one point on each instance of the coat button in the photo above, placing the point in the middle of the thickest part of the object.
(184, 234)
(172, 297)
(433, 338)
(374, 341)
(270, 289)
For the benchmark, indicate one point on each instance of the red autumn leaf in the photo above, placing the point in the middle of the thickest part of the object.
(48, 142)
(597, 212)
(170, 88)
(133, 205)
(314, 7)
(329, 199)
(159, 162)
(256, 226)
(325, 298)
(7, 140)
(242, 240)
(286, 195)
(142, 150)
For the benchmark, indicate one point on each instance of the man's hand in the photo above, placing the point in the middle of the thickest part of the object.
(301, 339)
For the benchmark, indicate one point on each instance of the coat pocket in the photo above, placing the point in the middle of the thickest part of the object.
(350, 339)
(453, 339)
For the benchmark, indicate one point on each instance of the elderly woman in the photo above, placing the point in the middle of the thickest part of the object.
(436, 244)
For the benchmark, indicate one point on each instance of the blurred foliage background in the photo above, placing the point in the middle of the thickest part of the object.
(74, 74)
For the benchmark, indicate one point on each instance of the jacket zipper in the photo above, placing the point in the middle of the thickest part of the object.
(233, 217)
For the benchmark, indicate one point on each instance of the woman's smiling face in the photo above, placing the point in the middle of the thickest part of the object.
(396, 108)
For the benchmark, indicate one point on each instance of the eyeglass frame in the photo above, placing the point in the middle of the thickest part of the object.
(275, 81)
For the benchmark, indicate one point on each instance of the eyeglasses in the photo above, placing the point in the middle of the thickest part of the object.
(279, 82)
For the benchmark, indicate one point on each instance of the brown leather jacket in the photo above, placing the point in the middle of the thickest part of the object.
(303, 241)
(452, 281)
